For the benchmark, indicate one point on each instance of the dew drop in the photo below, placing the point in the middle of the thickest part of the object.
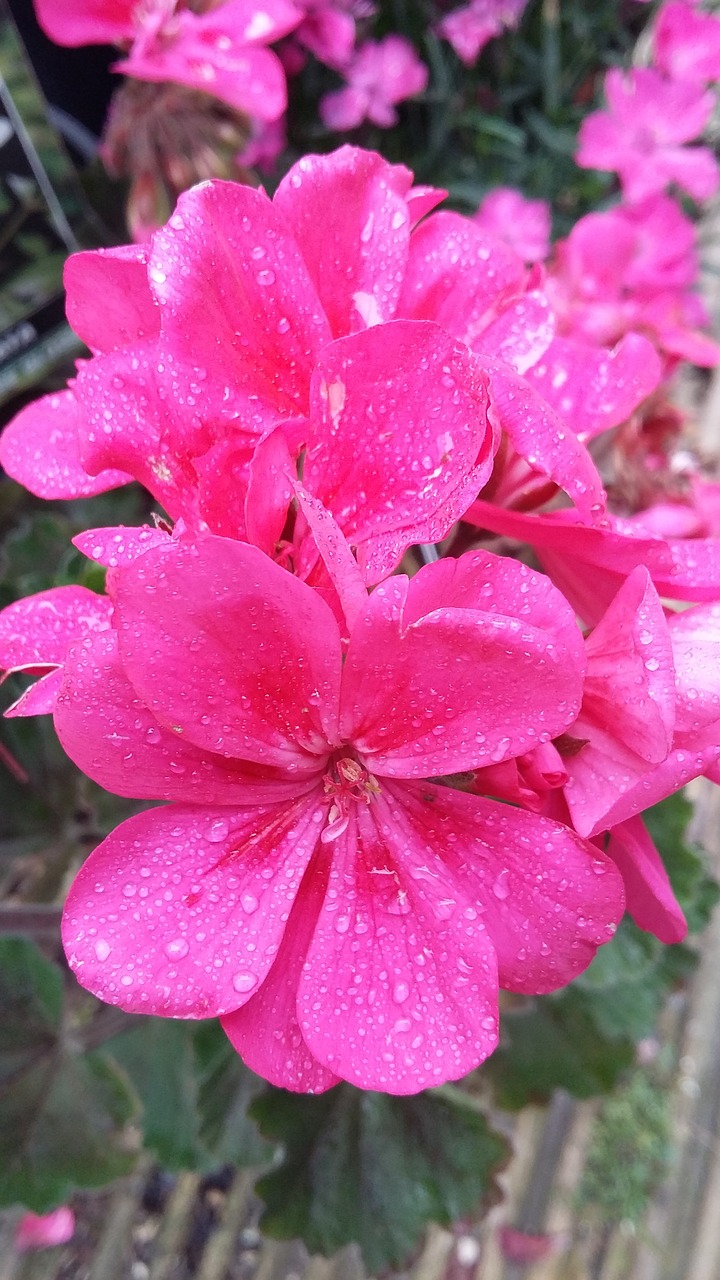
(244, 981)
(102, 949)
(177, 949)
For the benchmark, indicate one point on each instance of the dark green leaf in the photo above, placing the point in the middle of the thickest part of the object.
(555, 1043)
(374, 1169)
(158, 1056)
(62, 1113)
(226, 1088)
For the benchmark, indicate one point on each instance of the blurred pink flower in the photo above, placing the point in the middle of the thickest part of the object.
(42, 1231)
(218, 51)
(381, 74)
(468, 29)
(521, 223)
(641, 135)
(686, 43)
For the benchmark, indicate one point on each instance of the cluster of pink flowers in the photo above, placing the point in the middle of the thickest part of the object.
(654, 111)
(394, 782)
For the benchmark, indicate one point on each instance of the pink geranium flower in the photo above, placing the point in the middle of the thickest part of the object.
(642, 133)
(523, 224)
(345, 916)
(381, 74)
(469, 28)
(209, 337)
(219, 51)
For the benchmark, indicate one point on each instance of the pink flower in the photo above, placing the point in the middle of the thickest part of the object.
(523, 224)
(346, 917)
(381, 74)
(267, 143)
(42, 1231)
(469, 28)
(641, 134)
(209, 337)
(686, 43)
(218, 51)
(328, 29)
(632, 268)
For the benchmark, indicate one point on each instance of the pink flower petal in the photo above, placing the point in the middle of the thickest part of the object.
(266, 1031)
(336, 555)
(400, 439)
(109, 303)
(42, 1231)
(399, 991)
(521, 333)
(695, 636)
(240, 313)
(269, 491)
(459, 686)
(39, 448)
(181, 911)
(38, 631)
(594, 389)
(650, 899)
(546, 898)
(108, 731)
(348, 214)
(118, 546)
(457, 275)
(544, 440)
(231, 650)
(78, 22)
(40, 699)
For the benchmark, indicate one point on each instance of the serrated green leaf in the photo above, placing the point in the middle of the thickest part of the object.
(62, 1112)
(374, 1169)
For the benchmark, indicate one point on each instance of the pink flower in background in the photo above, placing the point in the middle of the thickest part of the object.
(468, 29)
(218, 51)
(328, 29)
(686, 43)
(346, 917)
(523, 224)
(642, 133)
(42, 1231)
(632, 268)
(381, 74)
(267, 143)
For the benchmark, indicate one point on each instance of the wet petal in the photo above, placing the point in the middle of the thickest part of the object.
(233, 651)
(348, 214)
(400, 438)
(546, 898)
(40, 449)
(181, 911)
(399, 990)
(109, 303)
(108, 731)
(649, 896)
(266, 1031)
(460, 686)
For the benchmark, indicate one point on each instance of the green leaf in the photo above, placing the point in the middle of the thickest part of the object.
(62, 1113)
(555, 1043)
(158, 1056)
(374, 1169)
(226, 1089)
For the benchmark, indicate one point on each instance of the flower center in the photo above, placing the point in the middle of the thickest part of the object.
(348, 784)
